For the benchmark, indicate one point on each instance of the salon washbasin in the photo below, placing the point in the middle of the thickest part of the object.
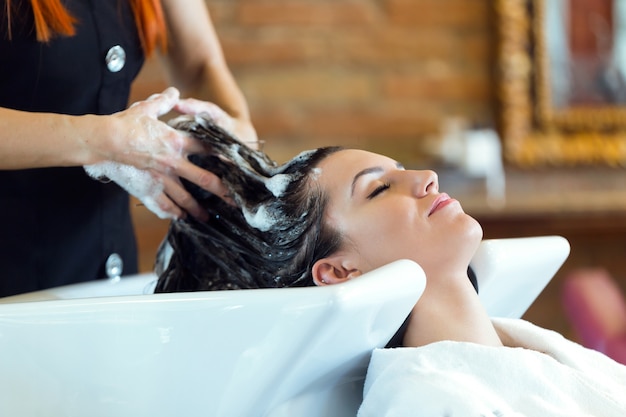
(86, 349)
(111, 348)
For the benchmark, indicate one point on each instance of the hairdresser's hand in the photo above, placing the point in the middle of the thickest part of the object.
(240, 127)
(146, 143)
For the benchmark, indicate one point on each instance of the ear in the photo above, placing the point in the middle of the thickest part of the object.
(334, 270)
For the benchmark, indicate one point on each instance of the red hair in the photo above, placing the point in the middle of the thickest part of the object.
(52, 18)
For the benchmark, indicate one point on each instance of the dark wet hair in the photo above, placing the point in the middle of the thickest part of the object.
(270, 239)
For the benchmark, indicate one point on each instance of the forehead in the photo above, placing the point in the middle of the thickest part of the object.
(337, 171)
(350, 161)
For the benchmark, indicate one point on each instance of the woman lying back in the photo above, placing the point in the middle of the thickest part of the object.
(331, 215)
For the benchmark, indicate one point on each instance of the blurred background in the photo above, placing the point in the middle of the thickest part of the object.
(425, 82)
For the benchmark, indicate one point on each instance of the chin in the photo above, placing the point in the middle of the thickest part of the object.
(465, 244)
(474, 235)
(476, 230)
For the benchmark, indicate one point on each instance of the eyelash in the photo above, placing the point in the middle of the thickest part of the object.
(378, 190)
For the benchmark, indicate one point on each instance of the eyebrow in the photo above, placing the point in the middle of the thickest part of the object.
(366, 171)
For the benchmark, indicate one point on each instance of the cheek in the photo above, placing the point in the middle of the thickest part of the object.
(402, 234)
(389, 237)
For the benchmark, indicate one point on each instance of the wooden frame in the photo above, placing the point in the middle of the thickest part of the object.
(534, 133)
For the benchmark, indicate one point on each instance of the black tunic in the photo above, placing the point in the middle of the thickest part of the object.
(57, 225)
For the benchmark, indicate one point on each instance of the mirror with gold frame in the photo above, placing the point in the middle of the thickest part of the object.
(560, 89)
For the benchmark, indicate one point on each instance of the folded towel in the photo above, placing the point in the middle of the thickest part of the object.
(538, 373)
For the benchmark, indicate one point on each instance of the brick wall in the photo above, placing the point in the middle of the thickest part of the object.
(375, 74)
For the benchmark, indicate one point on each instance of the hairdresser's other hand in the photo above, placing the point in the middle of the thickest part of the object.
(240, 127)
(143, 141)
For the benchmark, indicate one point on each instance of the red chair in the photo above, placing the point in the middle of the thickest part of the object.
(596, 308)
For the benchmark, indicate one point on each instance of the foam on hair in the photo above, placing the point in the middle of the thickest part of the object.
(268, 240)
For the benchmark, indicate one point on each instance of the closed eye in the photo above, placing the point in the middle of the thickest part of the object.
(381, 188)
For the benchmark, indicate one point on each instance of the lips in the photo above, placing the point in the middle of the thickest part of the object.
(440, 202)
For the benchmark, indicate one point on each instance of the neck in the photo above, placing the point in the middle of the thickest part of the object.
(450, 310)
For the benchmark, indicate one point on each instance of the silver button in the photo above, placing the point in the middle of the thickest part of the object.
(114, 266)
(116, 58)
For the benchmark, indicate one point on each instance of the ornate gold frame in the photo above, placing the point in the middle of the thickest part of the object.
(533, 132)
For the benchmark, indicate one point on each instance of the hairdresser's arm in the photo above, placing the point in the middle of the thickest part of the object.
(197, 66)
(133, 137)
(36, 140)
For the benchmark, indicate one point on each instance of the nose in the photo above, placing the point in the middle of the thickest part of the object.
(424, 183)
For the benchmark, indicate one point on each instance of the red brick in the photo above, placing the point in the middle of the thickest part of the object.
(272, 51)
(347, 124)
(375, 46)
(457, 13)
(307, 85)
(307, 12)
(222, 12)
(381, 46)
(398, 134)
(364, 124)
(438, 86)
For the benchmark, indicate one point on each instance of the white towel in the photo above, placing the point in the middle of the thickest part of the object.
(539, 373)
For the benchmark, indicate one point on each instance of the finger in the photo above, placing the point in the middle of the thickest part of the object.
(168, 92)
(159, 104)
(204, 179)
(183, 199)
(191, 145)
(166, 205)
(194, 106)
(210, 110)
